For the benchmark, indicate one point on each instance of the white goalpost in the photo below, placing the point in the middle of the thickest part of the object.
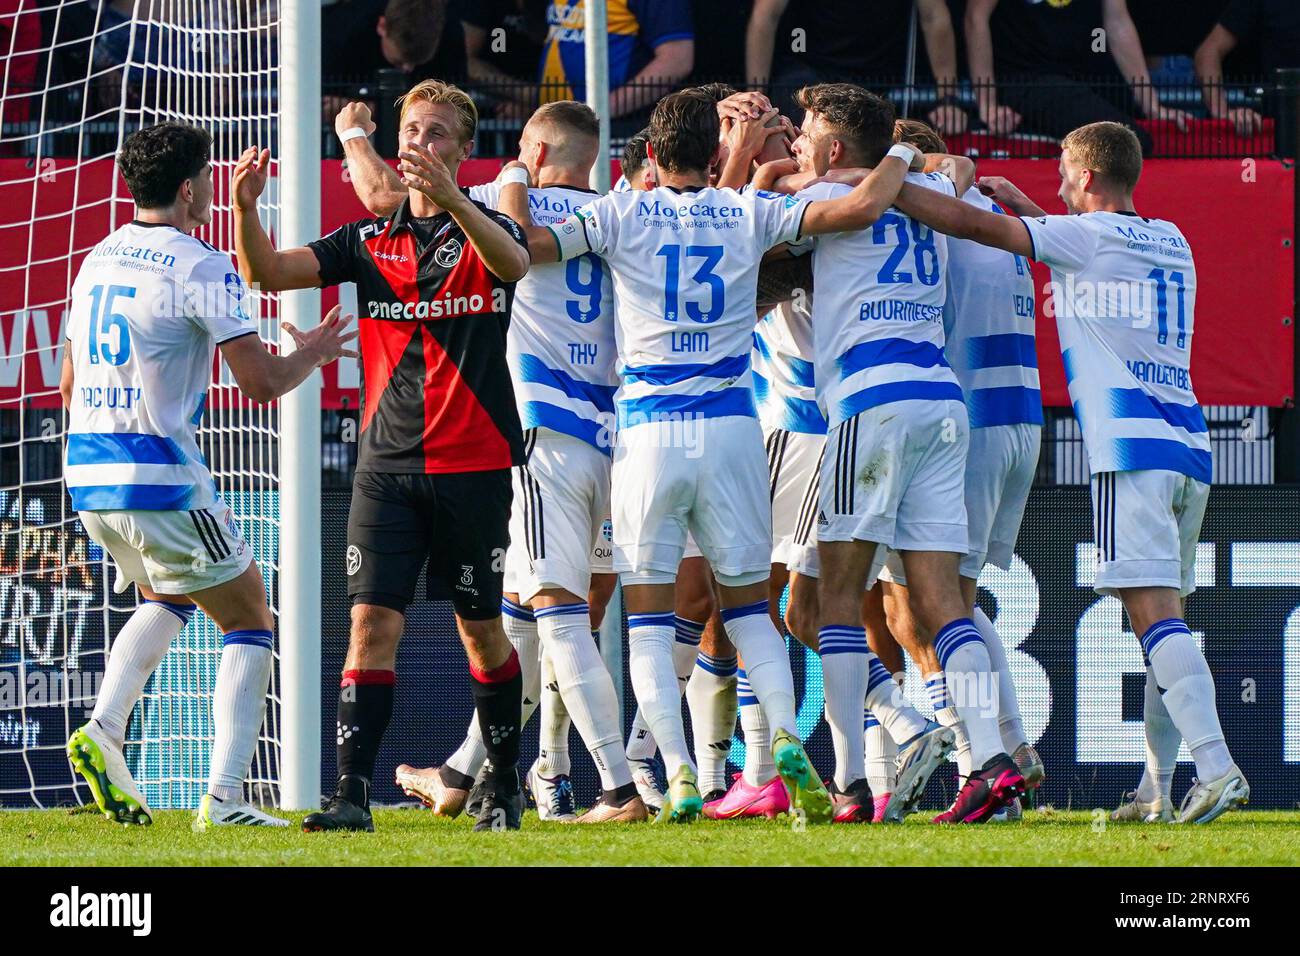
(300, 459)
(77, 79)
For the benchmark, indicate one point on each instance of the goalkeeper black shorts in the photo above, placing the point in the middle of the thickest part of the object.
(456, 524)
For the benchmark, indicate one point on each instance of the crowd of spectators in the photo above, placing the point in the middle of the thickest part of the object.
(1001, 66)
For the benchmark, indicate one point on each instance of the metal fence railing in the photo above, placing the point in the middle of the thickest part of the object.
(59, 121)
(1048, 108)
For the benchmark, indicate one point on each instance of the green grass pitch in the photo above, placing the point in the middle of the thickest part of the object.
(417, 838)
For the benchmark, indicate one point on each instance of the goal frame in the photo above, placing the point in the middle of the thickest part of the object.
(300, 417)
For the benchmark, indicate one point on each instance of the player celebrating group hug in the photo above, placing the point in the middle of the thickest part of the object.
(541, 363)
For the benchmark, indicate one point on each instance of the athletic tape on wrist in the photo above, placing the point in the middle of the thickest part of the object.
(515, 174)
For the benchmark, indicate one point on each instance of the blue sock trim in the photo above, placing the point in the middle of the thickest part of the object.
(744, 693)
(663, 619)
(842, 639)
(1160, 630)
(877, 674)
(953, 635)
(730, 614)
(183, 611)
(518, 611)
(718, 666)
(557, 609)
(257, 638)
(936, 689)
(686, 631)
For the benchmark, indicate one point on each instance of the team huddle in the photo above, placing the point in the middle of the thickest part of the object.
(772, 357)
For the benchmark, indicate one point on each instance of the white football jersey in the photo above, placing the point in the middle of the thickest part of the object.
(988, 327)
(685, 268)
(561, 340)
(878, 310)
(783, 369)
(149, 306)
(1124, 291)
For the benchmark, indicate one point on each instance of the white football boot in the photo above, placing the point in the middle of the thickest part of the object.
(1209, 801)
(647, 784)
(215, 812)
(99, 760)
(553, 796)
(1159, 810)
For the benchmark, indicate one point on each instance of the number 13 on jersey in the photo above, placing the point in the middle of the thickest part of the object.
(704, 275)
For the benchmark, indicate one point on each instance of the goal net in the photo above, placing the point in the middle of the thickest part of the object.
(77, 78)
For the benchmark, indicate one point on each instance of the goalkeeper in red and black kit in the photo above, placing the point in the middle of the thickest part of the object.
(439, 433)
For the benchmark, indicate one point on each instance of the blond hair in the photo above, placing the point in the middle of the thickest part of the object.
(436, 91)
(918, 134)
(1111, 150)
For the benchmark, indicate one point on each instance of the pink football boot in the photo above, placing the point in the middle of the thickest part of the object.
(879, 803)
(743, 800)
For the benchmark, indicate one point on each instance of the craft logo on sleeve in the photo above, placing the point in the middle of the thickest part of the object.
(75, 909)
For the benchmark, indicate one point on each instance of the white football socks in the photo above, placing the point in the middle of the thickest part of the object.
(885, 699)
(936, 689)
(238, 706)
(1163, 741)
(137, 651)
(587, 689)
(1010, 726)
(711, 700)
(971, 686)
(767, 662)
(641, 743)
(654, 679)
(1188, 690)
(845, 668)
(552, 716)
(881, 755)
(686, 646)
(759, 766)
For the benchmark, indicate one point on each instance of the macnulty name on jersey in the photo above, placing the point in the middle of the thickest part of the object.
(110, 396)
(447, 307)
(76, 909)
